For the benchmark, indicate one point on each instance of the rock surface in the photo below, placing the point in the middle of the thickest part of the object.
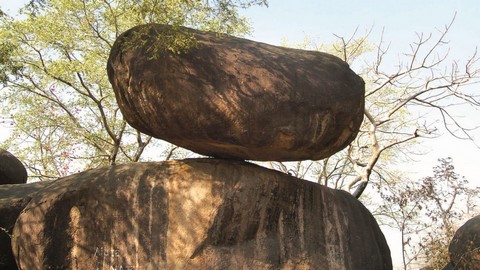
(12, 170)
(13, 199)
(234, 98)
(464, 248)
(195, 214)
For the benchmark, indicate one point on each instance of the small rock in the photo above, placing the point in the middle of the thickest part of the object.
(464, 248)
(12, 170)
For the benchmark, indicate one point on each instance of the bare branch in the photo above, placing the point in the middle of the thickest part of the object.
(171, 151)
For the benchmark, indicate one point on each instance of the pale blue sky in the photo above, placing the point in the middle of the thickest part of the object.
(316, 18)
(11, 5)
(401, 19)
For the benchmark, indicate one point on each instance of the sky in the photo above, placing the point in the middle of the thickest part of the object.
(400, 21)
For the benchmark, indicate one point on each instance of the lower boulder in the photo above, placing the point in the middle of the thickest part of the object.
(195, 214)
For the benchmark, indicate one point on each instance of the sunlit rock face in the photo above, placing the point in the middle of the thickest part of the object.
(195, 214)
(12, 170)
(235, 98)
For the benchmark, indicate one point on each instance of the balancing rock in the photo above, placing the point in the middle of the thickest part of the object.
(235, 98)
(195, 214)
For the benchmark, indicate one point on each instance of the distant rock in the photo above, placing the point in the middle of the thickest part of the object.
(464, 248)
(12, 170)
(195, 214)
(235, 98)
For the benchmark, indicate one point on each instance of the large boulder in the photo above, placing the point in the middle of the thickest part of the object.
(464, 248)
(235, 98)
(12, 170)
(195, 214)
(13, 199)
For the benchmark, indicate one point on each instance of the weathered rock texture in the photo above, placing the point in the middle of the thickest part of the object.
(13, 199)
(12, 170)
(464, 248)
(195, 214)
(234, 98)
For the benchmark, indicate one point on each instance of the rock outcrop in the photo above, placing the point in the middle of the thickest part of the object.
(12, 170)
(195, 214)
(224, 97)
(234, 98)
(464, 248)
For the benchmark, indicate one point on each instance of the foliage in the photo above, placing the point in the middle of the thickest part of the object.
(52, 65)
(403, 103)
(427, 213)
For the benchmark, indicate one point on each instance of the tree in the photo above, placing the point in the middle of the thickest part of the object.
(56, 91)
(425, 82)
(402, 210)
(427, 213)
(450, 202)
(404, 104)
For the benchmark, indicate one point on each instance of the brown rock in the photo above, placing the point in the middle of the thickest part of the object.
(195, 214)
(12, 170)
(464, 248)
(235, 98)
(13, 198)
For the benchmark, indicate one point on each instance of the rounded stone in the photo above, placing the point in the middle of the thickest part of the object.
(464, 248)
(195, 214)
(234, 98)
(12, 170)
